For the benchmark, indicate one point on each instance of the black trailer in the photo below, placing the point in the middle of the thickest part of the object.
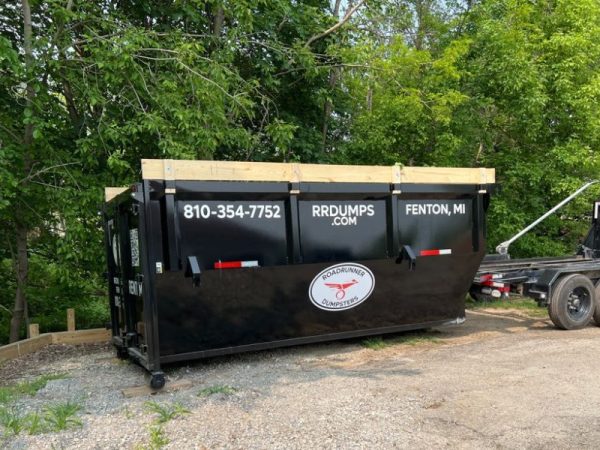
(568, 286)
(210, 258)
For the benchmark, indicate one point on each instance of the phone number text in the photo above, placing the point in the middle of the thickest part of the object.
(231, 211)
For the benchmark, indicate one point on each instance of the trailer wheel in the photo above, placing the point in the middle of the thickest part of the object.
(573, 302)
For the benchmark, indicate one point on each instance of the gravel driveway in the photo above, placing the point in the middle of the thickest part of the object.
(501, 380)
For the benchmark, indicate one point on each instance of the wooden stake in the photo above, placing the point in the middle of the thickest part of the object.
(70, 319)
(34, 330)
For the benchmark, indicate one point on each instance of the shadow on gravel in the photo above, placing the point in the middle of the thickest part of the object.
(352, 358)
(477, 321)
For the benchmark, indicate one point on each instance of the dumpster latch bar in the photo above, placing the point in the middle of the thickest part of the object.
(193, 270)
(408, 253)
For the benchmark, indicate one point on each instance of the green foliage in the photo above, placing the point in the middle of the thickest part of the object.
(410, 338)
(376, 343)
(13, 392)
(36, 424)
(115, 83)
(165, 412)
(62, 416)
(55, 417)
(530, 92)
(12, 420)
(510, 84)
(217, 389)
(157, 439)
(525, 305)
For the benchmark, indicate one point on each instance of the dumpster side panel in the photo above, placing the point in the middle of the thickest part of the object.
(241, 230)
(248, 306)
(271, 304)
(342, 230)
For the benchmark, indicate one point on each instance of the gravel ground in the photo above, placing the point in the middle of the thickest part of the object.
(501, 380)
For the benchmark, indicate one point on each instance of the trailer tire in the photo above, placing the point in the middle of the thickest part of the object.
(573, 302)
(478, 297)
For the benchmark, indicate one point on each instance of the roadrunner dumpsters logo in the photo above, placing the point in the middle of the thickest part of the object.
(341, 287)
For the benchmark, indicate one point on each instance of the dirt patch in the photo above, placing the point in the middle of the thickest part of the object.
(36, 363)
(500, 380)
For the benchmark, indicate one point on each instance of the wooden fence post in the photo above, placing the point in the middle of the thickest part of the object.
(34, 330)
(70, 319)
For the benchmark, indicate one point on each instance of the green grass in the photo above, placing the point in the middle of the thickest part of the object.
(165, 412)
(526, 305)
(375, 343)
(11, 393)
(62, 416)
(409, 338)
(36, 424)
(156, 441)
(157, 438)
(217, 389)
(12, 420)
(57, 417)
(127, 412)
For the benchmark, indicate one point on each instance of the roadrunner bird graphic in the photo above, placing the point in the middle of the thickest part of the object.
(341, 287)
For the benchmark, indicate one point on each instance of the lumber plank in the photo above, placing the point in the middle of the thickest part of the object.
(24, 347)
(31, 345)
(156, 169)
(112, 192)
(9, 351)
(81, 336)
(138, 391)
(446, 175)
(328, 173)
(36, 343)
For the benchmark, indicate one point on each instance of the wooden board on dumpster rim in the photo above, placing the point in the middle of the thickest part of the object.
(168, 169)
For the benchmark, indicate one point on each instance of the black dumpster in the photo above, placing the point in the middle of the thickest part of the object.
(209, 258)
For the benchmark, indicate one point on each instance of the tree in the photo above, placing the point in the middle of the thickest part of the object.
(90, 88)
(508, 84)
(533, 112)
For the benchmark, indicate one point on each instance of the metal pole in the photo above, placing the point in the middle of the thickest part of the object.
(503, 247)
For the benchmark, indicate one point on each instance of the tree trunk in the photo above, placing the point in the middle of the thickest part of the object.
(420, 31)
(334, 73)
(22, 270)
(21, 229)
(333, 77)
(218, 19)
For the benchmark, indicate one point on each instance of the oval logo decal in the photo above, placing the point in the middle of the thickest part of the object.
(341, 287)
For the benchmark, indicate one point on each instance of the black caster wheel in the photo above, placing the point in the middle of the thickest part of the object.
(122, 353)
(157, 380)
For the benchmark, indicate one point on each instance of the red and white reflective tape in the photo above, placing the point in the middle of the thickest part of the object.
(235, 264)
(436, 252)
